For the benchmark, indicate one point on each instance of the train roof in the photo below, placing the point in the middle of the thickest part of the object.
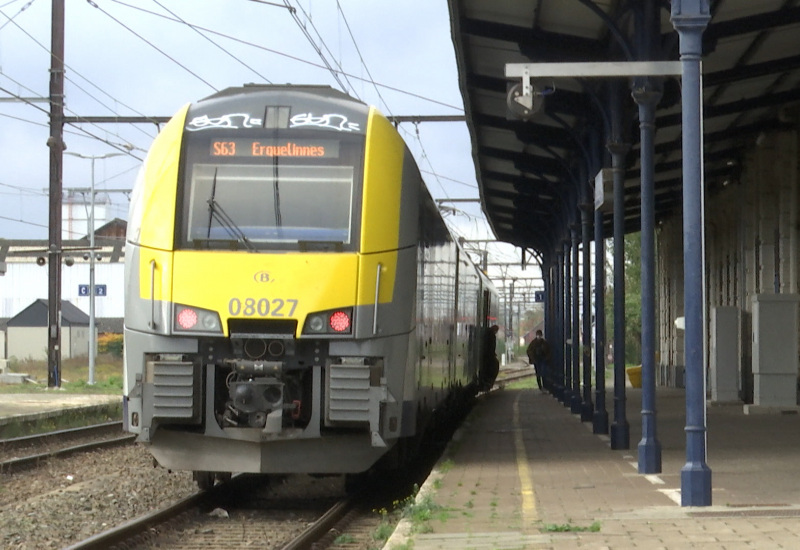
(279, 106)
(252, 88)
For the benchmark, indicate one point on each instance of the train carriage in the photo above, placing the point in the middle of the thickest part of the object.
(294, 301)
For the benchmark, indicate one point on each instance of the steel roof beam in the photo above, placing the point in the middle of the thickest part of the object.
(735, 107)
(752, 23)
(754, 70)
(535, 43)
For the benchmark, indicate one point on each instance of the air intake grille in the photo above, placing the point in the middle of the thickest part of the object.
(348, 393)
(175, 391)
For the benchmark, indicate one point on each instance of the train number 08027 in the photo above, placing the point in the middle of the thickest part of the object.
(261, 307)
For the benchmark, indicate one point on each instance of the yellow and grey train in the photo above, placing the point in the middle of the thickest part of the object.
(294, 300)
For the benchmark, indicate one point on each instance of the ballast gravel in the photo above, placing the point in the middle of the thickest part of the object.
(65, 501)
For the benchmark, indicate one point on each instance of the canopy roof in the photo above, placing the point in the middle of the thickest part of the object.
(535, 174)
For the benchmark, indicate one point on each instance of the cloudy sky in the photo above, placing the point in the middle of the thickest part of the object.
(150, 57)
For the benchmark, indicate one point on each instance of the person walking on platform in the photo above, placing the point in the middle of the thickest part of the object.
(490, 364)
(539, 355)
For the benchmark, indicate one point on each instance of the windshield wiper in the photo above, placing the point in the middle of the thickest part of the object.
(216, 212)
(276, 192)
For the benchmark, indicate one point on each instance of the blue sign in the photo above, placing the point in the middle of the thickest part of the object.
(99, 290)
(538, 296)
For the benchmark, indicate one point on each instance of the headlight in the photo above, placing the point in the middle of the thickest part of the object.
(194, 319)
(335, 321)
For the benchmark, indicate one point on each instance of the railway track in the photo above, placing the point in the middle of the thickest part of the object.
(24, 452)
(251, 511)
(517, 373)
(239, 514)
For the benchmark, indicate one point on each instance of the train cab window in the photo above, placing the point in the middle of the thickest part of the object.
(301, 195)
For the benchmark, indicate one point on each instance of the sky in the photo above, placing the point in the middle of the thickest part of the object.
(150, 57)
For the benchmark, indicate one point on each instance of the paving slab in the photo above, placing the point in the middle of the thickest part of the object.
(523, 472)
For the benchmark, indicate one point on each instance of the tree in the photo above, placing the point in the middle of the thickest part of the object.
(633, 297)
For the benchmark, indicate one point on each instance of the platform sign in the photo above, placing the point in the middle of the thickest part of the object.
(99, 290)
(538, 296)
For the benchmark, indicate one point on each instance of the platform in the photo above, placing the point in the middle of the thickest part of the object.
(25, 407)
(523, 472)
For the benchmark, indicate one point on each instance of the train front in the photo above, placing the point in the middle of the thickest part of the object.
(263, 329)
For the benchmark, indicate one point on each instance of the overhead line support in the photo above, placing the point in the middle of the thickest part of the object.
(56, 144)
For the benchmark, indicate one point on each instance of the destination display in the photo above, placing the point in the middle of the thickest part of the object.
(292, 148)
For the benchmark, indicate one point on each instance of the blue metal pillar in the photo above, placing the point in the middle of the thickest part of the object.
(647, 94)
(548, 312)
(575, 403)
(690, 17)
(586, 341)
(567, 397)
(620, 429)
(600, 416)
(557, 367)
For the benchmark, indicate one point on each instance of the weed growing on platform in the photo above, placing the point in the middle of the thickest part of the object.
(570, 528)
(421, 512)
(383, 532)
(446, 465)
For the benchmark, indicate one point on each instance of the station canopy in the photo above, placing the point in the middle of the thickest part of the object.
(530, 172)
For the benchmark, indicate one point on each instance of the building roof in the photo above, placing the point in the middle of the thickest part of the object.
(36, 315)
(115, 228)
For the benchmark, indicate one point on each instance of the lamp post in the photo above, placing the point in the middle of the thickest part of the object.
(92, 335)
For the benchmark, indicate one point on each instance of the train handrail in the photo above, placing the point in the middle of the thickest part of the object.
(152, 294)
(377, 297)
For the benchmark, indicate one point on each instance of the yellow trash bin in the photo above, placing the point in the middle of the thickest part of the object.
(635, 376)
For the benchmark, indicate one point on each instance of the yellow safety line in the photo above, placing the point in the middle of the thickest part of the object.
(526, 483)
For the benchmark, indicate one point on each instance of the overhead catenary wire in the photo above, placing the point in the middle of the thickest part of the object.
(25, 120)
(11, 19)
(146, 41)
(142, 130)
(371, 79)
(46, 49)
(310, 39)
(24, 189)
(425, 159)
(24, 100)
(26, 222)
(361, 57)
(459, 182)
(43, 125)
(228, 53)
(325, 45)
(288, 56)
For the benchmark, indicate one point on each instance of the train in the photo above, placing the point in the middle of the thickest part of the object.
(294, 300)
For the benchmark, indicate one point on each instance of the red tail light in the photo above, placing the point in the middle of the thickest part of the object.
(187, 318)
(339, 321)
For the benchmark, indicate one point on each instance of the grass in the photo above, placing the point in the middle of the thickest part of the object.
(570, 528)
(523, 384)
(74, 375)
(530, 383)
